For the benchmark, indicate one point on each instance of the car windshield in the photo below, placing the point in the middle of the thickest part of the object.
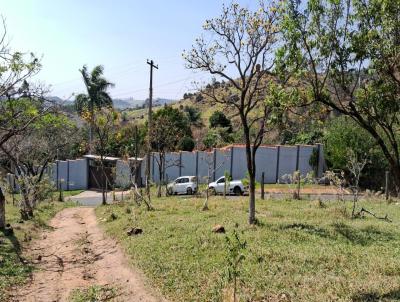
(222, 179)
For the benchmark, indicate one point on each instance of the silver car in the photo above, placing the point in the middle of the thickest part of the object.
(235, 187)
(183, 185)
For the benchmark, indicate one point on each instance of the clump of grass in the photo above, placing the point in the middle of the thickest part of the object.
(94, 293)
(298, 249)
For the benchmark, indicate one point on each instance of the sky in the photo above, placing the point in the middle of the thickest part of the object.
(120, 35)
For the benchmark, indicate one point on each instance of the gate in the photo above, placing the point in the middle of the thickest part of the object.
(99, 179)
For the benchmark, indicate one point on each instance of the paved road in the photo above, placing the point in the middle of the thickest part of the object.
(94, 198)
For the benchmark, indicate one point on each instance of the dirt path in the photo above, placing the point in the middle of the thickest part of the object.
(76, 254)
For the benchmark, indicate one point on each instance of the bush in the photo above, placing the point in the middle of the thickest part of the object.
(218, 119)
(343, 134)
(186, 144)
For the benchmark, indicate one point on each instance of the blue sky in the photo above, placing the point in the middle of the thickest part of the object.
(119, 34)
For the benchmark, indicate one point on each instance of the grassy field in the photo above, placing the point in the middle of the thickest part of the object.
(12, 269)
(307, 250)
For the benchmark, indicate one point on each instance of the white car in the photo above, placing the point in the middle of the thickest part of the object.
(183, 185)
(234, 187)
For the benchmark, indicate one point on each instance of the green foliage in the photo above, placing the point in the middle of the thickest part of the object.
(96, 86)
(343, 53)
(170, 125)
(218, 119)
(122, 143)
(211, 140)
(343, 135)
(193, 115)
(94, 293)
(186, 144)
(218, 137)
(234, 257)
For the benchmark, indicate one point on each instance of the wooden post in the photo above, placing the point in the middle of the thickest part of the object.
(262, 186)
(387, 184)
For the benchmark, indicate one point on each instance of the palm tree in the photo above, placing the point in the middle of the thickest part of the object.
(97, 95)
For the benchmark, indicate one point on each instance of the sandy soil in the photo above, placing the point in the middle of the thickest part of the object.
(77, 254)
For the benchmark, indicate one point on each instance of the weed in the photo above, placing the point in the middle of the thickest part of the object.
(94, 293)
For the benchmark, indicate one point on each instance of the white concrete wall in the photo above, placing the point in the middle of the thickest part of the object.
(304, 159)
(72, 174)
(78, 174)
(223, 162)
(188, 163)
(287, 160)
(239, 167)
(205, 158)
(122, 174)
(266, 161)
(172, 171)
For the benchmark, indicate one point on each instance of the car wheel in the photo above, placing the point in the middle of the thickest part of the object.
(212, 191)
(237, 191)
(169, 191)
(189, 191)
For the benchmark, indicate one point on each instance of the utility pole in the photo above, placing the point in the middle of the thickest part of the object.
(149, 128)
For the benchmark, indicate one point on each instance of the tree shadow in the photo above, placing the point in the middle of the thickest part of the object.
(393, 295)
(364, 236)
(16, 246)
(308, 228)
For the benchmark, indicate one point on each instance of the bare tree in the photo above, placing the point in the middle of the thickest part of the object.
(240, 49)
(355, 165)
(210, 170)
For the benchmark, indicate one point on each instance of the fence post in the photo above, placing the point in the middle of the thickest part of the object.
(278, 155)
(298, 184)
(262, 186)
(387, 184)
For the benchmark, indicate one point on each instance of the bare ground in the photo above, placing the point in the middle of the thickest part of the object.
(75, 253)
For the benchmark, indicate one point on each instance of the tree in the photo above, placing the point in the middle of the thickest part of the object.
(29, 154)
(242, 43)
(21, 103)
(169, 127)
(346, 56)
(104, 121)
(97, 96)
(193, 115)
(219, 119)
(186, 144)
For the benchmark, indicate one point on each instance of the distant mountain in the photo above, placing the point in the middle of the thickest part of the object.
(132, 103)
(121, 104)
(59, 100)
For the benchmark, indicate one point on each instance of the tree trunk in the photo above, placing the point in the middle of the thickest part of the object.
(103, 193)
(252, 200)
(2, 210)
(160, 173)
(396, 179)
(252, 176)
